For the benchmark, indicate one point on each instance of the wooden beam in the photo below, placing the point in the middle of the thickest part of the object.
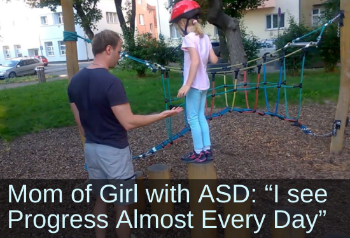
(71, 46)
(344, 91)
(160, 178)
(201, 175)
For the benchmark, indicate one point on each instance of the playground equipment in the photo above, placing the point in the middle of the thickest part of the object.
(340, 121)
(160, 174)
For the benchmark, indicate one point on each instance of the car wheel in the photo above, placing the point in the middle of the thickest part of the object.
(12, 75)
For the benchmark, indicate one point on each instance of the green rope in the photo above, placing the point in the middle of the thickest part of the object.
(285, 89)
(73, 36)
(301, 83)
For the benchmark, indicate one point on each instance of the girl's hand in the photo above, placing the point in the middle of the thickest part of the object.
(183, 91)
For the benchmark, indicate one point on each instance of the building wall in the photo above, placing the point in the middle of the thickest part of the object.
(310, 10)
(30, 31)
(145, 20)
(262, 22)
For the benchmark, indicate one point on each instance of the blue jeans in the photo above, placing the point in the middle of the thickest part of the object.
(195, 109)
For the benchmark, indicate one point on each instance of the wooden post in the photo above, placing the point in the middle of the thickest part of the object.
(203, 180)
(140, 206)
(288, 231)
(71, 46)
(40, 71)
(344, 92)
(159, 178)
(336, 235)
(231, 209)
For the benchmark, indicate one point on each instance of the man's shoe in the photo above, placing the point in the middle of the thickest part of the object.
(193, 157)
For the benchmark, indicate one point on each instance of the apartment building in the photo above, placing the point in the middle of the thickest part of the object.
(311, 11)
(265, 22)
(39, 31)
(146, 18)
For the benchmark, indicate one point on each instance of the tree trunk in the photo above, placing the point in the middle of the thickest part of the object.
(80, 12)
(223, 46)
(230, 26)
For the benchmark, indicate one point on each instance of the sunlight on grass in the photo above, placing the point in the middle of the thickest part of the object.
(33, 108)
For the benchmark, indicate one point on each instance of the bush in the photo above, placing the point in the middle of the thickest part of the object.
(295, 30)
(251, 45)
(145, 47)
(328, 52)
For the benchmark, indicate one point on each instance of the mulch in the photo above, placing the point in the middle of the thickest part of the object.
(246, 146)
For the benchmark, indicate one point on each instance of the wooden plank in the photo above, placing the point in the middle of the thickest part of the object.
(344, 91)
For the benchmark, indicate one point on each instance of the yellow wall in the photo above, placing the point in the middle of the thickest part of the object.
(255, 20)
(306, 7)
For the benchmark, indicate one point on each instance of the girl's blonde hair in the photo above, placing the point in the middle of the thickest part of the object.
(197, 26)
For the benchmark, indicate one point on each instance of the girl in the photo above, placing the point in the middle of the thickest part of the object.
(197, 51)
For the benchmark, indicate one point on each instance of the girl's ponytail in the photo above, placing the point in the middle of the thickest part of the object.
(197, 27)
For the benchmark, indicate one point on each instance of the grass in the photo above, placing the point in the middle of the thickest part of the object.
(22, 79)
(33, 108)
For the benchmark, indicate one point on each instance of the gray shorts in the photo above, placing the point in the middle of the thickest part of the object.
(113, 167)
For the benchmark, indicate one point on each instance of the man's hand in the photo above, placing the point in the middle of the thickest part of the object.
(183, 91)
(172, 112)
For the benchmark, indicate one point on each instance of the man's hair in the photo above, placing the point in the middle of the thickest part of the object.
(104, 38)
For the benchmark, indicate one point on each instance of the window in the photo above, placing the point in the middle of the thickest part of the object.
(49, 49)
(139, 1)
(18, 51)
(151, 28)
(111, 17)
(58, 18)
(173, 32)
(7, 53)
(62, 47)
(316, 16)
(272, 21)
(43, 20)
(142, 21)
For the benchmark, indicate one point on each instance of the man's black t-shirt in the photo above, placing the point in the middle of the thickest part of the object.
(94, 92)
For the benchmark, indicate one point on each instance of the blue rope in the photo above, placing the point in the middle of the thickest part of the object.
(278, 90)
(266, 100)
(73, 36)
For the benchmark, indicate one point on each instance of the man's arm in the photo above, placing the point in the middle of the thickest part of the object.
(130, 121)
(77, 118)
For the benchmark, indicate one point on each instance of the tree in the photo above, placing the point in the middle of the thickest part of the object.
(86, 15)
(127, 23)
(225, 15)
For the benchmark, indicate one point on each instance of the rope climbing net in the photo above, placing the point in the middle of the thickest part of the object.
(237, 87)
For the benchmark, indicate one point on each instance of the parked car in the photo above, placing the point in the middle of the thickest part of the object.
(43, 59)
(216, 48)
(19, 67)
(267, 46)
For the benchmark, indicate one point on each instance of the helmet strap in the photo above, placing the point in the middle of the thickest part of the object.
(185, 31)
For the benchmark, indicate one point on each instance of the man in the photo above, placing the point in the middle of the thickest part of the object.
(103, 113)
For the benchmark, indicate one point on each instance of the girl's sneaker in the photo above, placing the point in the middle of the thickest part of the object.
(208, 154)
(193, 157)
